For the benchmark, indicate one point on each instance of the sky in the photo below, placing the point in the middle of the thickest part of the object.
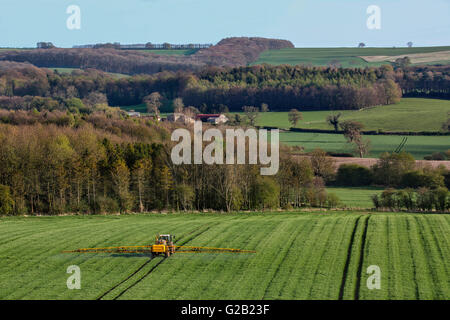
(307, 23)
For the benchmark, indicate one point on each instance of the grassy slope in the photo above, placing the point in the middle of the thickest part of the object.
(299, 256)
(69, 70)
(418, 146)
(347, 57)
(411, 114)
(355, 197)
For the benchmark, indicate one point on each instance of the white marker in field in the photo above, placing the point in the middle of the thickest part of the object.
(374, 280)
(74, 20)
(74, 281)
(374, 20)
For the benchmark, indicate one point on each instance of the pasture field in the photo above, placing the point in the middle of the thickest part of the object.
(299, 256)
(69, 70)
(345, 57)
(418, 146)
(411, 114)
(355, 197)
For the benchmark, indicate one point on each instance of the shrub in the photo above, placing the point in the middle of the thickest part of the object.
(388, 199)
(333, 200)
(391, 167)
(376, 201)
(441, 199)
(6, 201)
(447, 179)
(425, 199)
(353, 175)
(106, 205)
(422, 178)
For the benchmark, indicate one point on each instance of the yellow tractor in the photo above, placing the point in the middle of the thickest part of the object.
(163, 245)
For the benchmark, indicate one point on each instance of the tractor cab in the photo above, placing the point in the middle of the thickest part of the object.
(164, 245)
(166, 239)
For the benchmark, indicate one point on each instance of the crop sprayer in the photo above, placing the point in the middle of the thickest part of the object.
(164, 245)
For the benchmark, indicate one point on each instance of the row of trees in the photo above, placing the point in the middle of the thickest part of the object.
(393, 170)
(423, 199)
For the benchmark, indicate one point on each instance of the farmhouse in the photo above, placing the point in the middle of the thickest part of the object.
(134, 114)
(180, 117)
(212, 118)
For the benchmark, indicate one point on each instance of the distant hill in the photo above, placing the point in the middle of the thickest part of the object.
(228, 52)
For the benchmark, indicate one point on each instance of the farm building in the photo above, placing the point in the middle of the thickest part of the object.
(212, 118)
(134, 114)
(180, 117)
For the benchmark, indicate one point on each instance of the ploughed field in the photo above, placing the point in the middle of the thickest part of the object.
(299, 256)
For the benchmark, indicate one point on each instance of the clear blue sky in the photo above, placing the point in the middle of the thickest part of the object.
(307, 23)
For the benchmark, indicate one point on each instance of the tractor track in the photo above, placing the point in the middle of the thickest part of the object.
(347, 261)
(361, 258)
(194, 233)
(285, 254)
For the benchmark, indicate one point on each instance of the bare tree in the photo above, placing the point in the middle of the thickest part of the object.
(251, 113)
(153, 102)
(178, 105)
(352, 130)
(334, 121)
(294, 116)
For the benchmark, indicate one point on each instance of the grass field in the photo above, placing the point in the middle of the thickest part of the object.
(411, 114)
(418, 146)
(299, 256)
(346, 57)
(355, 197)
(69, 70)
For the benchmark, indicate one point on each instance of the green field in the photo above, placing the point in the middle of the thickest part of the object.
(346, 57)
(355, 197)
(299, 256)
(69, 70)
(411, 114)
(418, 146)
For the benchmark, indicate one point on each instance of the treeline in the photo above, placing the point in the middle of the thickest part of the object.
(223, 89)
(422, 199)
(397, 170)
(50, 169)
(424, 81)
(228, 52)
